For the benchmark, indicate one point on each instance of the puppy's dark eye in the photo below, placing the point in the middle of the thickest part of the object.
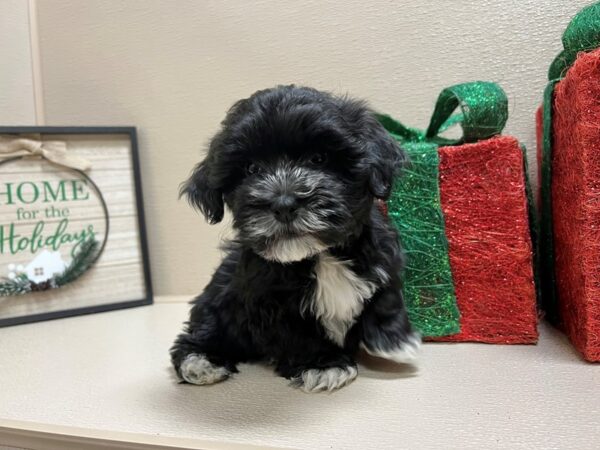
(252, 169)
(318, 159)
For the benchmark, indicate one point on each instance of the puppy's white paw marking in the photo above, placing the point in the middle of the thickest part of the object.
(196, 369)
(317, 380)
(406, 352)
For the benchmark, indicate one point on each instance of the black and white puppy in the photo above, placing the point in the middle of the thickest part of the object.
(313, 272)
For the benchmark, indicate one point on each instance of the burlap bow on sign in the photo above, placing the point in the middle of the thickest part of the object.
(52, 151)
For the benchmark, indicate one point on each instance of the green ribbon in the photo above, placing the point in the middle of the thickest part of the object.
(481, 109)
(484, 111)
(581, 35)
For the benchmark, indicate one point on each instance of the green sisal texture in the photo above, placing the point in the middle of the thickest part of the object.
(534, 228)
(546, 242)
(416, 212)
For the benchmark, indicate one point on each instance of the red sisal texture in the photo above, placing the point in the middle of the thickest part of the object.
(484, 201)
(576, 202)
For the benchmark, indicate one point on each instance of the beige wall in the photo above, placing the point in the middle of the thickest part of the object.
(172, 68)
(17, 104)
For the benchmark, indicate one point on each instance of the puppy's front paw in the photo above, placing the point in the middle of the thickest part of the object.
(197, 369)
(317, 380)
(405, 351)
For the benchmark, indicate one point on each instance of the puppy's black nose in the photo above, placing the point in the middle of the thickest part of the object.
(284, 208)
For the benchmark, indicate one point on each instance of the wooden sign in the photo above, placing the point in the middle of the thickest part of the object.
(72, 234)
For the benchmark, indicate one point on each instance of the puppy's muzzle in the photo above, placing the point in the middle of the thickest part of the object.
(285, 208)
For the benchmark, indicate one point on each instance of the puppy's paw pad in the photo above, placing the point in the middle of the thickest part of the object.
(196, 369)
(407, 351)
(317, 380)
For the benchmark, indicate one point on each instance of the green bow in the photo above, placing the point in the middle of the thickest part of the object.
(483, 113)
(481, 109)
(581, 35)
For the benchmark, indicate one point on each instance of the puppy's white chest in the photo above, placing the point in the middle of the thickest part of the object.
(339, 295)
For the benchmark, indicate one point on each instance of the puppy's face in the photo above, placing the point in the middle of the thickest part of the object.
(298, 169)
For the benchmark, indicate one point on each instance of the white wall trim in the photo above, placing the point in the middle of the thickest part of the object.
(36, 64)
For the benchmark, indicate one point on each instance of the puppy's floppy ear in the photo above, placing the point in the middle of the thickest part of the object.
(385, 158)
(201, 195)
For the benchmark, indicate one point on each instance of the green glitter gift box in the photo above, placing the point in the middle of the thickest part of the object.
(461, 208)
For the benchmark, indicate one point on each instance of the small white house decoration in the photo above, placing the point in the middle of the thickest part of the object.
(44, 266)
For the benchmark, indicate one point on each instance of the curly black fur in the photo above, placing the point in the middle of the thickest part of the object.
(320, 162)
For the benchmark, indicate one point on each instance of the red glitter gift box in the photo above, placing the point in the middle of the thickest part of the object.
(484, 201)
(575, 195)
(568, 127)
(462, 212)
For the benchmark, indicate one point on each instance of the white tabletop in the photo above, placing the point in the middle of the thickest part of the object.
(105, 378)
